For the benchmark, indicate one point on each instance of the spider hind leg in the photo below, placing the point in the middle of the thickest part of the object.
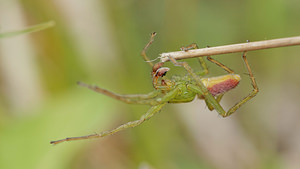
(150, 113)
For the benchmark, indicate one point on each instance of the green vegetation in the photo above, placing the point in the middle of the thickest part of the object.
(99, 42)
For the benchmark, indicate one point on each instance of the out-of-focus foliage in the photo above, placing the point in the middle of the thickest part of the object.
(99, 42)
(31, 29)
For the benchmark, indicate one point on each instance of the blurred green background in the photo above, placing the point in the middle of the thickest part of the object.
(99, 42)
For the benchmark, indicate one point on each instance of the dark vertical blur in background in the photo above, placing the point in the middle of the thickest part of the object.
(99, 42)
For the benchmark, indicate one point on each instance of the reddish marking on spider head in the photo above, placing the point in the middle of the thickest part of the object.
(156, 67)
(158, 72)
(222, 84)
(161, 72)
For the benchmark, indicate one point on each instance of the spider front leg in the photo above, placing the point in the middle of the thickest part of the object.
(150, 113)
(143, 53)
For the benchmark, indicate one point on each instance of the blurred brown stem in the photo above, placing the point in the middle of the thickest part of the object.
(274, 43)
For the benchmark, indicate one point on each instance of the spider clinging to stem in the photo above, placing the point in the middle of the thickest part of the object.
(177, 90)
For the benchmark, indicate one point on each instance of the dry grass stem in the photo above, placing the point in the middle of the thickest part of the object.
(274, 43)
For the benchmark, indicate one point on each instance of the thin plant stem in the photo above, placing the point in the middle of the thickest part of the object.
(234, 48)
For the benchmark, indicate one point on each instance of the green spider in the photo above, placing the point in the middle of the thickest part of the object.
(177, 90)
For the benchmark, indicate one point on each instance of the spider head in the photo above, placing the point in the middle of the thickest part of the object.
(157, 72)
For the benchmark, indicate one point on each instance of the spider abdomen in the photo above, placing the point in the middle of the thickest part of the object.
(221, 84)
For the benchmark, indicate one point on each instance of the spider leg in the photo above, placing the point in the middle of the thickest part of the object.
(218, 98)
(143, 53)
(150, 113)
(200, 59)
(204, 67)
(211, 102)
(227, 69)
(252, 94)
(125, 98)
(147, 99)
